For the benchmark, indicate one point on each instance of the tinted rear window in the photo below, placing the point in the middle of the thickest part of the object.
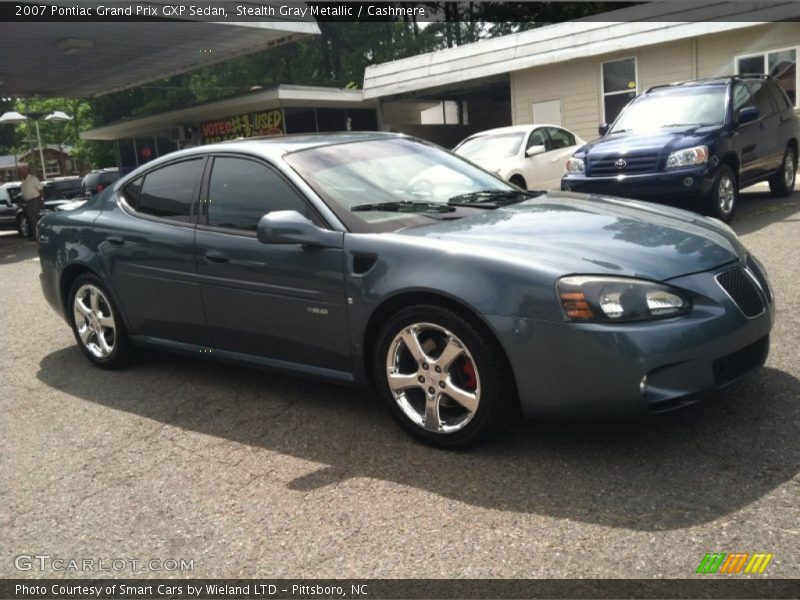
(169, 192)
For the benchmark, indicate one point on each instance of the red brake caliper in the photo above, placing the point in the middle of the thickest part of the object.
(468, 369)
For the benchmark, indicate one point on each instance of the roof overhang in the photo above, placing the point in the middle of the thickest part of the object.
(92, 59)
(640, 26)
(278, 96)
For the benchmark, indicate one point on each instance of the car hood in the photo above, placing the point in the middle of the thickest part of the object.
(566, 233)
(660, 141)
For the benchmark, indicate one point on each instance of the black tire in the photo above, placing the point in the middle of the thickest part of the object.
(490, 376)
(518, 181)
(723, 199)
(782, 183)
(121, 349)
(23, 226)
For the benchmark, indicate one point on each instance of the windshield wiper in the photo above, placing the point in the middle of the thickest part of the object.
(405, 206)
(491, 198)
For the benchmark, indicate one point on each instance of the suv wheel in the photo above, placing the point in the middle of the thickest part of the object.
(97, 324)
(782, 183)
(724, 196)
(443, 383)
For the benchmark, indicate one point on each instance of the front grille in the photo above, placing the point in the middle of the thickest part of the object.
(641, 163)
(742, 290)
(760, 277)
(732, 367)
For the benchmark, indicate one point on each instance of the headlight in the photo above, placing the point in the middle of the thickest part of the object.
(575, 165)
(606, 299)
(690, 156)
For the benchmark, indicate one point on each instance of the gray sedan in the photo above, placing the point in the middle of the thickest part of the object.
(381, 260)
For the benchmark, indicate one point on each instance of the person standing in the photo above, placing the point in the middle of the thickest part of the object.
(31, 191)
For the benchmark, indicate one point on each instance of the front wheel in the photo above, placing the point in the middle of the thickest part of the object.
(724, 196)
(97, 324)
(782, 183)
(443, 383)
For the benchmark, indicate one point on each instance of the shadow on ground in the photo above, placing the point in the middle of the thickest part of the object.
(758, 209)
(669, 472)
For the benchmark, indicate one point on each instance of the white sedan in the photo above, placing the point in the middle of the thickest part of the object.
(529, 156)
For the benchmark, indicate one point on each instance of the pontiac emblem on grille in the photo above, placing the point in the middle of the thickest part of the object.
(620, 164)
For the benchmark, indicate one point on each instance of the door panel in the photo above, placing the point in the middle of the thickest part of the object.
(284, 302)
(150, 261)
(279, 301)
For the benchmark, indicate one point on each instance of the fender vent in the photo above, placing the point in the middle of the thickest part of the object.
(362, 263)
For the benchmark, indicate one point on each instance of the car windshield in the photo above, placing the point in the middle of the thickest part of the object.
(388, 184)
(496, 145)
(674, 107)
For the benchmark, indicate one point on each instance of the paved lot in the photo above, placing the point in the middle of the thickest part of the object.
(254, 474)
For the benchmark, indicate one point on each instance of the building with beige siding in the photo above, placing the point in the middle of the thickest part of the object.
(580, 74)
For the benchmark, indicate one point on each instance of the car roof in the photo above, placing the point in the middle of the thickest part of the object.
(709, 81)
(274, 147)
(11, 184)
(514, 129)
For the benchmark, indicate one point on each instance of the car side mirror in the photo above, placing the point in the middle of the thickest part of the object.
(748, 114)
(290, 227)
(534, 150)
(603, 129)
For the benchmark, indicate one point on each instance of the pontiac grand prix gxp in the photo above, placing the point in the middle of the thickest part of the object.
(461, 299)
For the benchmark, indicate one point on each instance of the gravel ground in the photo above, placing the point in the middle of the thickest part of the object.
(256, 474)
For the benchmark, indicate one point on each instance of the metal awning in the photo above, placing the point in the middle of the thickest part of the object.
(92, 59)
(274, 97)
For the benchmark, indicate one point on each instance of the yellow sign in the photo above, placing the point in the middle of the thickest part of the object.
(264, 123)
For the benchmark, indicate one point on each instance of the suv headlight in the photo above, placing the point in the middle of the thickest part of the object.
(575, 165)
(688, 157)
(588, 298)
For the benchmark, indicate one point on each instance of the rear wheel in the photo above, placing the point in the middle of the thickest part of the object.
(443, 383)
(23, 226)
(724, 196)
(97, 325)
(782, 183)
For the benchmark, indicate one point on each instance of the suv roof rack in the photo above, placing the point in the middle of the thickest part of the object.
(713, 79)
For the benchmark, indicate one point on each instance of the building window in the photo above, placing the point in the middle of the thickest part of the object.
(51, 167)
(780, 64)
(619, 86)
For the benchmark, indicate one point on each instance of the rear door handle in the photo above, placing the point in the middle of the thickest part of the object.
(216, 256)
(116, 240)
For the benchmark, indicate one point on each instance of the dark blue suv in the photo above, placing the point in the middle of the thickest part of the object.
(695, 144)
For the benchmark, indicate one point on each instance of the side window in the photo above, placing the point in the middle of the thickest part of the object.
(131, 192)
(168, 192)
(741, 98)
(761, 99)
(779, 97)
(242, 191)
(559, 138)
(4, 196)
(539, 138)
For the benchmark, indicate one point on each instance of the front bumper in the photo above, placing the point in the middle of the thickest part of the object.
(571, 370)
(688, 184)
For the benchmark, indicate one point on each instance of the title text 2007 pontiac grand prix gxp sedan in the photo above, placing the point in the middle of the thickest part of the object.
(383, 260)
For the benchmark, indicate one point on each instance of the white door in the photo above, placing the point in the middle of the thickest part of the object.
(544, 171)
(547, 112)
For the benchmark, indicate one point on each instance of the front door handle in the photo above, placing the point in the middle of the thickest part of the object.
(116, 240)
(216, 256)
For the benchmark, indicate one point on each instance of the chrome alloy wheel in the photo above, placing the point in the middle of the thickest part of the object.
(433, 378)
(94, 321)
(789, 171)
(726, 194)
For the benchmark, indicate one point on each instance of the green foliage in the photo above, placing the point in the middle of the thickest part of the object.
(335, 58)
